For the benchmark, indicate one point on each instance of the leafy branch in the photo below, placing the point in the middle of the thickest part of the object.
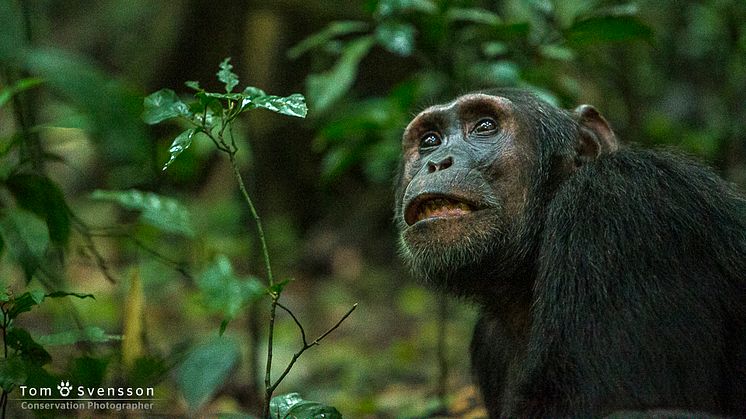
(212, 115)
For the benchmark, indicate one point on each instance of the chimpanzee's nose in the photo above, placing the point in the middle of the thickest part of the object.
(441, 165)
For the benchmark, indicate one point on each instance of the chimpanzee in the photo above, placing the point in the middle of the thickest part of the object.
(610, 279)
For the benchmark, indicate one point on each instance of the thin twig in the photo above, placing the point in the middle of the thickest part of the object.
(306, 346)
(300, 326)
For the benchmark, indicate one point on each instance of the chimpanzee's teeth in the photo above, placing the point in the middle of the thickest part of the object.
(439, 205)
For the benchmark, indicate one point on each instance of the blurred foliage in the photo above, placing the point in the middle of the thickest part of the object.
(86, 207)
(564, 51)
(451, 47)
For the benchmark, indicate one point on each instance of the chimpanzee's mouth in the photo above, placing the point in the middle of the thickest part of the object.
(436, 206)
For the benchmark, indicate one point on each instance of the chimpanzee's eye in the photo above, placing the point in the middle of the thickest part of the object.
(431, 139)
(485, 126)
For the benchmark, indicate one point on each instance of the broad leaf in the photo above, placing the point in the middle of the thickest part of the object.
(44, 198)
(29, 299)
(496, 73)
(388, 8)
(227, 76)
(25, 302)
(20, 340)
(27, 239)
(326, 88)
(293, 105)
(292, 406)
(557, 52)
(474, 15)
(226, 293)
(13, 372)
(205, 369)
(163, 105)
(396, 37)
(163, 213)
(225, 96)
(181, 143)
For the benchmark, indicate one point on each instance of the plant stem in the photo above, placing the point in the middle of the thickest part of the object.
(269, 389)
(255, 215)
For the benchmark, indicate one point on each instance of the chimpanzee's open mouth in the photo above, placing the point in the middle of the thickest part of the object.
(436, 206)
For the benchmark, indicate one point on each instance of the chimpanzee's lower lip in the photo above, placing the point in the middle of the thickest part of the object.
(433, 206)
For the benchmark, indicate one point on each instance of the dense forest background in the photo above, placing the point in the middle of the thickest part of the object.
(86, 208)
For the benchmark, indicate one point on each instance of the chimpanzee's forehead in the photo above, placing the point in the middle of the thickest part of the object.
(469, 103)
(465, 108)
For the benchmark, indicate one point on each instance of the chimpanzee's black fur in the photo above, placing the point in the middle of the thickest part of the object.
(637, 298)
(627, 292)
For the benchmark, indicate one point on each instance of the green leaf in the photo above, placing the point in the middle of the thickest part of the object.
(20, 340)
(181, 143)
(13, 372)
(280, 405)
(293, 105)
(388, 8)
(278, 287)
(494, 48)
(27, 238)
(496, 73)
(163, 105)
(226, 76)
(557, 52)
(608, 29)
(38, 194)
(163, 213)
(58, 294)
(205, 369)
(396, 37)
(473, 15)
(226, 293)
(24, 84)
(193, 85)
(326, 88)
(25, 302)
(91, 334)
(292, 406)
(333, 30)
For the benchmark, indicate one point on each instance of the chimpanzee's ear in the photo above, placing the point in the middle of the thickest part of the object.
(596, 137)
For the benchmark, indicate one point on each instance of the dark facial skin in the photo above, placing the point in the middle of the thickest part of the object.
(463, 185)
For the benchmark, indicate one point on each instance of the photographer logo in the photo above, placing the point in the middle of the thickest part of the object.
(80, 398)
(64, 388)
